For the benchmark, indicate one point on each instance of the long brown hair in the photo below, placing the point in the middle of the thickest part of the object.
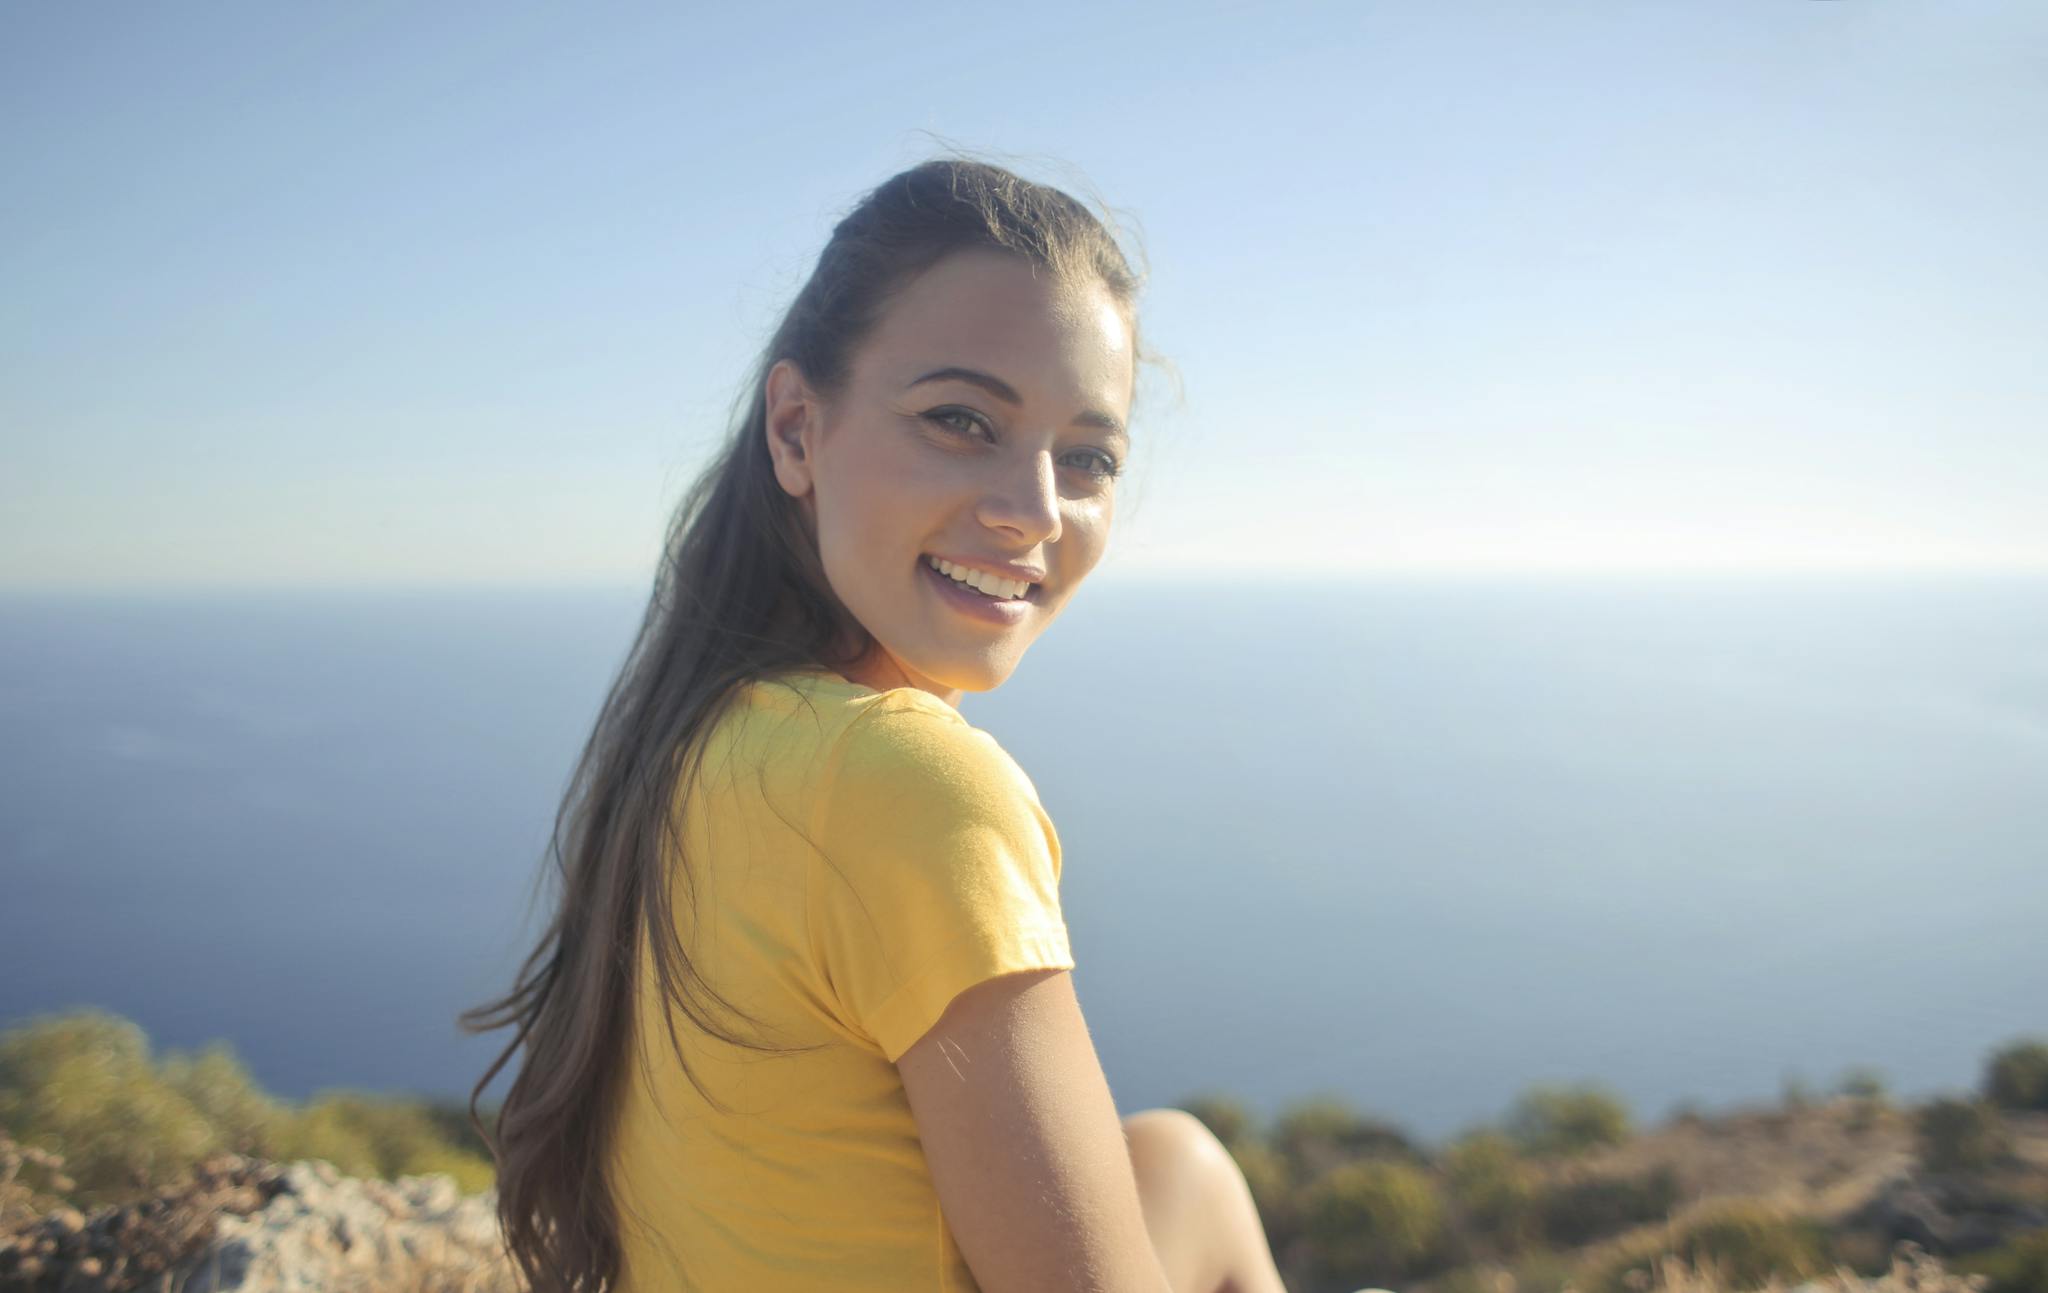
(740, 594)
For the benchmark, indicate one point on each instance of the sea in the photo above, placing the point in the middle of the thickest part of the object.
(1418, 844)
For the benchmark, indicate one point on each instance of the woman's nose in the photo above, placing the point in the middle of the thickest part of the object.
(1025, 500)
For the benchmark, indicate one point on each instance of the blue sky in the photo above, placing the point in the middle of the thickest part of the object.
(384, 294)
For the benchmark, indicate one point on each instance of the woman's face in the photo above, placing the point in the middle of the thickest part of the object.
(980, 425)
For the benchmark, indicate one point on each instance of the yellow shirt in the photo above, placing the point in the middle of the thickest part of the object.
(860, 857)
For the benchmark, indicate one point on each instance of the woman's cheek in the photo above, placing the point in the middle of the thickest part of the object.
(1091, 527)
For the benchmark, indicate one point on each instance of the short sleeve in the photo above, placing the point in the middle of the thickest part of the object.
(936, 868)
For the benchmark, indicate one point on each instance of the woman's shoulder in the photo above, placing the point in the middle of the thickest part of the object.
(905, 740)
(859, 747)
(817, 713)
(850, 709)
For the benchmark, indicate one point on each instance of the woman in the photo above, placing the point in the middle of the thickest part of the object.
(783, 831)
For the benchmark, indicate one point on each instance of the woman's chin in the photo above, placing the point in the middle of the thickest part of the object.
(972, 672)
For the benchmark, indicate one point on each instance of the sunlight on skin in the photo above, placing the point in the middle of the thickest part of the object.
(899, 469)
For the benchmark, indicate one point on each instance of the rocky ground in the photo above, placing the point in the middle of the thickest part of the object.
(245, 1225)
(1854, 1166)
(241, 1224)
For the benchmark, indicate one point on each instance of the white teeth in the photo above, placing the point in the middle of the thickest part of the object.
(991, 585)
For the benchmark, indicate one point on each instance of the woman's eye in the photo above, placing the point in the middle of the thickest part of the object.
(967, 422)
(1099, 465)
(1102, 466)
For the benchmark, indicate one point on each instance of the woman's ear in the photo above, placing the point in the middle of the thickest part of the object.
(793, 413)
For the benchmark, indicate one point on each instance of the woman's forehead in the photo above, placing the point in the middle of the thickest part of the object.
(992, 316)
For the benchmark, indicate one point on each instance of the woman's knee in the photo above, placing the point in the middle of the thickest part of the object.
(1177, 1140)
(1164, 1133)
(1184, 1184)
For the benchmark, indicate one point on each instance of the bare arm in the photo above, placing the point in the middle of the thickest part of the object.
(1024, 1143)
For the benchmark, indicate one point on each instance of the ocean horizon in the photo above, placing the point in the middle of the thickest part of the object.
(1415, 843)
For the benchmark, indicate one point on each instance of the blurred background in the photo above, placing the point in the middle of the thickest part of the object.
(1578, 617)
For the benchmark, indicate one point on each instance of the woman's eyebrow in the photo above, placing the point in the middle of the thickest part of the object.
(1002, 390)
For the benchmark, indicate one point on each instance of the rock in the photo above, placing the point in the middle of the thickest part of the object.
(326, 1230)
(247, 1225)
(1928, 1213)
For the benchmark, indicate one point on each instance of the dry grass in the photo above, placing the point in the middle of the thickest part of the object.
(1912, 1271)
(1824, 1161)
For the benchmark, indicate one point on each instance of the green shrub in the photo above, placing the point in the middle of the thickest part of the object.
(1747, 1241)
(2016, 1077)
(214, 1082)
(1559, 1121)
(472, 1175)
(1795, 1092)
(82, 1085)
(1751, 1244)
(1480, 1277)
(1862, 1083)
(1542, 1272)
(1226, 1118)
(32, 1183)
(2018, 1267)
(1273, 1191)
(366, 1135)
(1863, 1249)
(451, 1120)
(1493, 1188)
(326, 1130)
(1960, 1135)
(1371, 1222)
(1579, 1212)
(1321, 1132)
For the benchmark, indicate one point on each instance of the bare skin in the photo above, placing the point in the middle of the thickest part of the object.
(983, 424)
(1198, 1209)
(1043, 1184)
(907, 465)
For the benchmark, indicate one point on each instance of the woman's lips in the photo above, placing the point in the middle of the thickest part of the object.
(994, 610)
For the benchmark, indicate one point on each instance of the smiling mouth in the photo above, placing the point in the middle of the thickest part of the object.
(1030, 594)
